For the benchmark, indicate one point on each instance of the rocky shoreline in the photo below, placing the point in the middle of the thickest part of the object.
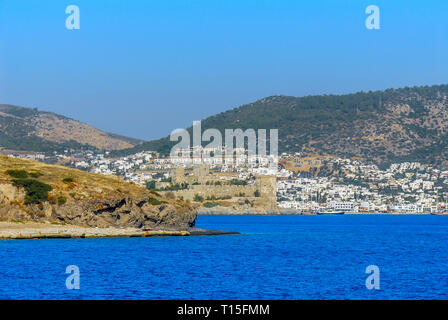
(35, 230)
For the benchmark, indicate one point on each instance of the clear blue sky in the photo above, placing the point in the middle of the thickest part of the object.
(143, 68)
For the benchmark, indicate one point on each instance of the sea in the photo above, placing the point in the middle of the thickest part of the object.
(274, 257)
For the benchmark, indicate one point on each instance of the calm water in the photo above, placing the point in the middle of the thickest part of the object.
(277, 257)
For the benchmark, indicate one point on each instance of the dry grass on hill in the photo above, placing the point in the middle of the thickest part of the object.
(76, 181)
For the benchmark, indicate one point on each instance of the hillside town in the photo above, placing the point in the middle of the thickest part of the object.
(295, 183)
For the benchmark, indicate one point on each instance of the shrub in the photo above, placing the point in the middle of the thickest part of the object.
(198, 198)
(155, 202)
(61, 200)
(36, 191)
(211, 204)
(68, 180)
(18, 174)
(35, 174)
(257, 193)
(237, 182)
(151, 184)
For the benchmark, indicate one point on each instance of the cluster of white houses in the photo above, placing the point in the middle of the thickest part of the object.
(408, 187)
(357, 187)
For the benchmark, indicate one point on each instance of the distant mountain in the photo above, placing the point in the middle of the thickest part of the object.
(383, 126)
(33, 130)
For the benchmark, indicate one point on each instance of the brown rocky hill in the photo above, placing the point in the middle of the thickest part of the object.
(33, 191)
(32, 130)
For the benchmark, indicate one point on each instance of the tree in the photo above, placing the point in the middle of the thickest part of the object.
(151, 185)
(198, 198)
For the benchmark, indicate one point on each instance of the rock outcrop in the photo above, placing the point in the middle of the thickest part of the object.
(121, 212)
(89, 200)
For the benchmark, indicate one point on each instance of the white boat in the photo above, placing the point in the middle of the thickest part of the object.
(331, 212)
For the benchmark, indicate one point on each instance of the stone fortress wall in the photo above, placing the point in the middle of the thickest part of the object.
(266, 186)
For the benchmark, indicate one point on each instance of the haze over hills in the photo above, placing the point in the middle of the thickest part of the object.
(33, 130)
(393, 125)
(383, 126)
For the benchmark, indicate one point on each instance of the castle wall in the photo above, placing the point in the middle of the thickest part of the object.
(265, 185)
(217, 191)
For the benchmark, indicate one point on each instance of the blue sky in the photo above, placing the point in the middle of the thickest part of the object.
(143, 68)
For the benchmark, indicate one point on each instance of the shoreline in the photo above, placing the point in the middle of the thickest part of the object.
(35, 230)
(229, 211)
(315, 214)
(23, 230)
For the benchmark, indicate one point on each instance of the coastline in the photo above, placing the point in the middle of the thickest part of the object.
(35, 230)
(229, 211)
(22, 230)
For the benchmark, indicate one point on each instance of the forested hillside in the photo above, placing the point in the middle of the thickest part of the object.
(384, 126)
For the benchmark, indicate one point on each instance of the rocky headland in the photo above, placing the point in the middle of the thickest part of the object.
(37, 199)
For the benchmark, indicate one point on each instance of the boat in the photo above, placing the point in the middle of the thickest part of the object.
(332, 212)
(440, 213)
(308, 213)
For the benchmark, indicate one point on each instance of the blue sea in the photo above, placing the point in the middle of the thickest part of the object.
(275, 257)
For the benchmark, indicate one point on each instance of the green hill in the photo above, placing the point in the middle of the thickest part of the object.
(395, 124)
